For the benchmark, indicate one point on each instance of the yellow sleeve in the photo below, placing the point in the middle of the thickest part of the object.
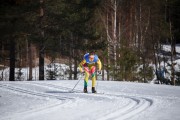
(81, 65)
(99, 64)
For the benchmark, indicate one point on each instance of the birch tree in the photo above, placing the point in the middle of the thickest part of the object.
(109, 18)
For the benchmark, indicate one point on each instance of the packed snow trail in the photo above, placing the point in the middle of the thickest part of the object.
(52, 100)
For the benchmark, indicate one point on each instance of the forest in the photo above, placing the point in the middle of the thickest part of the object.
(125, 34)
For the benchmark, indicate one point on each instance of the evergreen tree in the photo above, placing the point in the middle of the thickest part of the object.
(13, 26)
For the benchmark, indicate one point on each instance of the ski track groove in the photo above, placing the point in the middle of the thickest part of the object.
(53, 86)
(30, 92)
(47, 85)
(138, 104)
(63, 100)
(134, 107)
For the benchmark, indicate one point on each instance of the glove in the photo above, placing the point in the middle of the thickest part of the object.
(80, 70)
(99, 72)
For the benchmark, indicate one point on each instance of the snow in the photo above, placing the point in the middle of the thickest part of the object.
(52, 100)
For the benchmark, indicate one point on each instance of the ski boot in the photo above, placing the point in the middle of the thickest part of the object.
(85, 90)
(93, 90)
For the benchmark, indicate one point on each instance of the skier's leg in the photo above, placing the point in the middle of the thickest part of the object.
(93, 71)
(86, 80)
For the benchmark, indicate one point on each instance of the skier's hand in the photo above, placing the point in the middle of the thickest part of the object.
(99, 72)
(81, 70)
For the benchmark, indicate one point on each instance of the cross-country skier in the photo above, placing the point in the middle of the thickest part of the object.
(88, 65)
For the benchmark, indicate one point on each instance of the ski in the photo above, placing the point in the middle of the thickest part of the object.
(94, 93)
(87, 92)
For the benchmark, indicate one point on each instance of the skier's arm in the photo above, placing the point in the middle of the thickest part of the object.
(99, 64)
(81, 65)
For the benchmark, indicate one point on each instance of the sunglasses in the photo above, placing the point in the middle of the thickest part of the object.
(91, 57)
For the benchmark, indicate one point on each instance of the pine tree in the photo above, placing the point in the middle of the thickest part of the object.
(14, 24)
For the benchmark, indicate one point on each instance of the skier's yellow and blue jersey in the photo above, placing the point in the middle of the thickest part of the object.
(87, 63)
(89, 68)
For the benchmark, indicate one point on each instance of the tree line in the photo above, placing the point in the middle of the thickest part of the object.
(125, 33)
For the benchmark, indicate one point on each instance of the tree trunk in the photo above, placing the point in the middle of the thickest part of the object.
(108, 63)
(75, 68)
(155, 61)
(115, 35)
(108, 48)
(138, 25)
(115, 63)
(144, 67)
(70, 58)
(3, 60)
(103, 63)
(70, 68)
(41, 62)
(42, 47)
(30, 59)
(12, 60)
(114, 41)
(173, 52)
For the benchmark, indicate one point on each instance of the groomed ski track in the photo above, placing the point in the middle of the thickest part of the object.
(111, 105)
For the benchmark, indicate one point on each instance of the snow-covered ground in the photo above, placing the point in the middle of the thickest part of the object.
(52, 100)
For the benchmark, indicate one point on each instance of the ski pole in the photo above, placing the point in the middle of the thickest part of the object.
(97, 79)
(75, 85)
